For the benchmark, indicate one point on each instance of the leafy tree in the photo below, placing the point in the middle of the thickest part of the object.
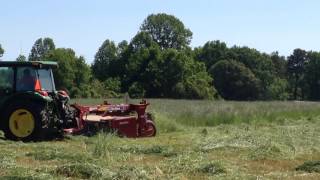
(280, 64)
(119, 66)
(188, 77)
(296, 68)
(155, 72)
(198, 85)
(260, 65)
(21, 58)
(212, 52)
(73, 73)
(167, 31)
(1, 51)
(122, 46)
(105, 60)
(112, 87)
(98, 90)
(82, 72)
(278, 89)
(234, 81)
(64, 75)
(136, 90)
(140, 41)
(312, 75)
(41, 48)
(139, 53)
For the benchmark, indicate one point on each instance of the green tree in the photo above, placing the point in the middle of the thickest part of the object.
(139, 53)
(82, 72)
(167, 31)
(312, 76)
(296, 68)
(119, 66)
(21, 58)
(234, 81)
(278, 89)
(212, 52)
(105, 61)
(140, 41)
(280, 64)
(64, 75)
(198, 84)
(186, 77)
(98, 90)
(122, 47)
(41, 48)
(260, 64)
(73, 73)
(112, 87)
(136, 90)
(82, 79)
(1, 51)
(155, 72)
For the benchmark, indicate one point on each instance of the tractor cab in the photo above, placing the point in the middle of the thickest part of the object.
(18, 77)
(34, 79)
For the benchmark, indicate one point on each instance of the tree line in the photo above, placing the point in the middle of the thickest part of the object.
(159, 63)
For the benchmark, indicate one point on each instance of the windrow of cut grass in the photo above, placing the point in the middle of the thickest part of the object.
(186, 147)
(223, 152)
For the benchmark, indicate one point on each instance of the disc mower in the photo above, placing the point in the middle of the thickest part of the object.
(32, 109)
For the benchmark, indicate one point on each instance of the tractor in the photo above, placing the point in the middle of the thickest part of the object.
(32, 109)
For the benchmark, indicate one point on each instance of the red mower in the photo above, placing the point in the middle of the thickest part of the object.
(127, 120)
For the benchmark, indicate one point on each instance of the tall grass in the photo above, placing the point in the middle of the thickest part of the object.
(174, 115)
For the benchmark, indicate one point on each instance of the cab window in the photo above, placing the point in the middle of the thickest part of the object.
(6, 80)
(26, 79)
(46, 80)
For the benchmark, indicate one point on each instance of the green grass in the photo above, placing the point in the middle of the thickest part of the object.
(196, 140)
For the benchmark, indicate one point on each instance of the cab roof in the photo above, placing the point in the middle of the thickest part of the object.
(38, 64)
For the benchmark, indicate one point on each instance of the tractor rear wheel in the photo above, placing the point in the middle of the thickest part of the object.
(24, 121)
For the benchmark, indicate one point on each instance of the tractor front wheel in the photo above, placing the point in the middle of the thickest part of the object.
(23, 121)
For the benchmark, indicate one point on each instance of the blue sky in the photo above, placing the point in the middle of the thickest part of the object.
(267, 25)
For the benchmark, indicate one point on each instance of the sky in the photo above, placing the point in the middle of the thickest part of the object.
(83, 25)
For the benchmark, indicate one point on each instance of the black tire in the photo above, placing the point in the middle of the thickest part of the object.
(36, 110)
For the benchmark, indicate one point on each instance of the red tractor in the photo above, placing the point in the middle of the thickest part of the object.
(31, 108)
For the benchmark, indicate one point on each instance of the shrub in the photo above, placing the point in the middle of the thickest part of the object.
(136, 90)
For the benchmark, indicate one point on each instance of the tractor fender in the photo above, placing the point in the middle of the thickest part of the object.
(29, 96)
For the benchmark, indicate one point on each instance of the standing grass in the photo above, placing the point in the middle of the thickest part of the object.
(173, 115)
(197, 140)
